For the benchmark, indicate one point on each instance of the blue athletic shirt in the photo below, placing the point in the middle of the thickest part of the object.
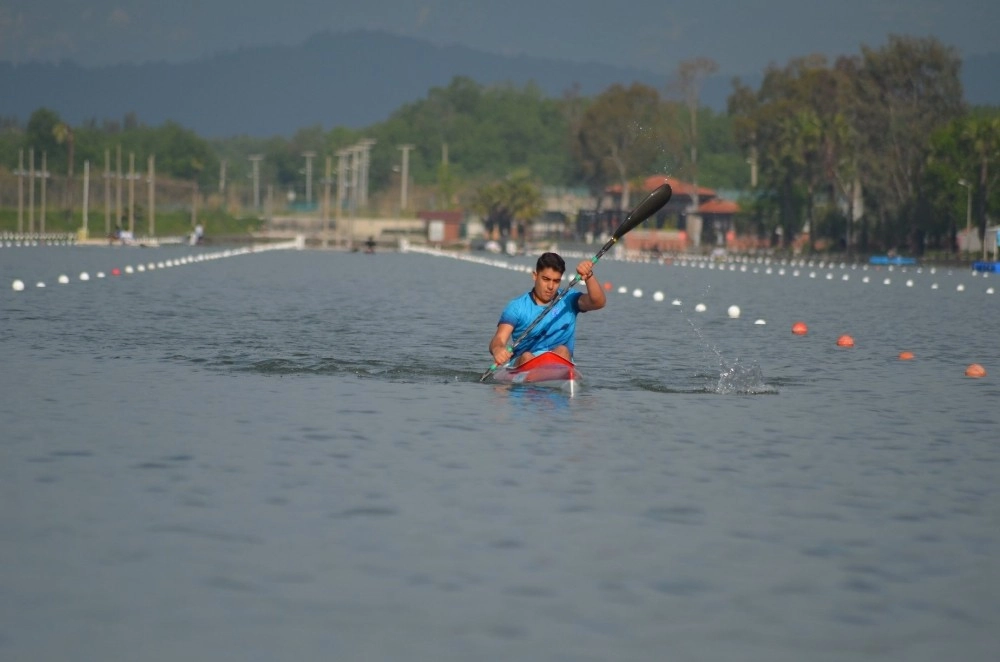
(558, 327)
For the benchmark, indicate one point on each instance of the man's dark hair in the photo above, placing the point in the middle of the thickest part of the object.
(550, 261)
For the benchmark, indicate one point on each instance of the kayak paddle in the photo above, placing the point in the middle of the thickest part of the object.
(649, 206)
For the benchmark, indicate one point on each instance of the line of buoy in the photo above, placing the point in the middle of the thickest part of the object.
(17, 285)
(799, 328)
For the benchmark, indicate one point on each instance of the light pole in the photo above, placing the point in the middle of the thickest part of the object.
(968, 217)
(309, 177)
(404, 177)
(255, 160)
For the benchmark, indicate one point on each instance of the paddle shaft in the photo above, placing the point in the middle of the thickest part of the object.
(651, 204)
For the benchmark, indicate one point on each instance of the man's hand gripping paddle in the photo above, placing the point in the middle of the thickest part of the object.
(649, 206)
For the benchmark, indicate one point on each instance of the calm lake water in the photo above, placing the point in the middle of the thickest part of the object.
(289, 456)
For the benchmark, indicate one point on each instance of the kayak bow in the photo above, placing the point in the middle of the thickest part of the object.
(547, 368)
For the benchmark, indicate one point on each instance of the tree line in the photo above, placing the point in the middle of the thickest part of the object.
(865, 153)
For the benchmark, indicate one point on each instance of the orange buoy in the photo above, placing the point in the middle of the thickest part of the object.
(906, 356)
(607, 286)
(975, 370)
(116, 272)
(800, 328)
(845, 341)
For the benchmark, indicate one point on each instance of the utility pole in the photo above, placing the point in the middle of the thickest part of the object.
(151, 183)
(107, 192)
(44, 174)
(341, 185)
(326, 200)
(31, 190)
(86, 199)
(20, 191)
(222, 177)
(255, 160)
(355, 183)
(355, 179)
(309, 176)
(118, 186)
(365, 146)
(131, 193)
(404, 177)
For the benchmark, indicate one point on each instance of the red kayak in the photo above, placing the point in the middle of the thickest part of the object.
(547, 368)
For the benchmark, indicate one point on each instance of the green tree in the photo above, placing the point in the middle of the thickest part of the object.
(905, 91)
(618, 136)
(504, 204)
(40, 134)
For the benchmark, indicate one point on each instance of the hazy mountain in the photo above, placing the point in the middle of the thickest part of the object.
(352, 79)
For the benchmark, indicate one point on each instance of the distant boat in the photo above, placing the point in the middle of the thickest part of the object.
(992, 267)
(895, 260)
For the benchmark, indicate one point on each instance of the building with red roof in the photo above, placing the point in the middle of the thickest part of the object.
(669, 229)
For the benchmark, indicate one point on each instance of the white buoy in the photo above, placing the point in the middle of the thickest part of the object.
(84, 276)
(960, 288)
(637, 293)
(129, 269)
(733, 311)
(622, 290)
(934, 286)
(845, 277)
(760, 322)
(989, 290)
(812, 274)
(140, 268)
(657, 296)
(829, 276)
(886, 281)
(909, 283)
(63, 279)
(700, 308)
(865, 279)
(100, 274)
(17, 285)
(40, 284)
(675, 302)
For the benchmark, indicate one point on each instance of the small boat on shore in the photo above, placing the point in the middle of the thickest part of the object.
(546, 369)
(891, 260)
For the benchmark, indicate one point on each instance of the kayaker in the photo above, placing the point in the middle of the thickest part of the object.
(556, 332)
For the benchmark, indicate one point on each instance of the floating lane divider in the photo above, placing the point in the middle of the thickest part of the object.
(25, 240)
(743, 265)
(298, 243)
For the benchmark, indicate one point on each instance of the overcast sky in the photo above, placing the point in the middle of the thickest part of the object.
(743, 36)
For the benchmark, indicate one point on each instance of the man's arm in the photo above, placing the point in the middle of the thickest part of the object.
(594, 299)
(498, 345)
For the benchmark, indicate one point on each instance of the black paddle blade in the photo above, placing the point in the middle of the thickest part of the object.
(652, 204)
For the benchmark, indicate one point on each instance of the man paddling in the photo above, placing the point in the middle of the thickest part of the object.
(555, 332)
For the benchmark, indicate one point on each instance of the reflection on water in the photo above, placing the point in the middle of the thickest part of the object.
(533, 399)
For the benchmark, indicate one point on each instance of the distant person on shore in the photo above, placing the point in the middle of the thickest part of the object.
(370, 245)
(556, 332)
(198, 235)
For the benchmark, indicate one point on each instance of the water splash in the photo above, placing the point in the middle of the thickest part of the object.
(735, 377)
(739, 379)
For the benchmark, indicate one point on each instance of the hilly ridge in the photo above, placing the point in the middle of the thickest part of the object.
(352, 79)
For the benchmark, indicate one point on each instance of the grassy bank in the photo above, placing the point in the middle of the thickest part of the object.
(167, 223)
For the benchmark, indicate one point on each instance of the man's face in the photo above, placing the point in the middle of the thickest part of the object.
(546, 283)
